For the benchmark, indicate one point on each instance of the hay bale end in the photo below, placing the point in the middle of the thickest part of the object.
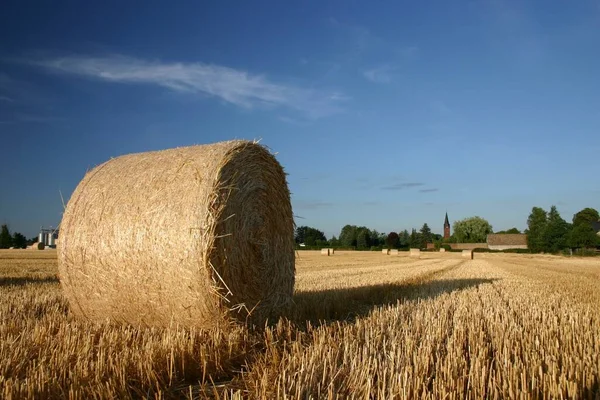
(415, 253)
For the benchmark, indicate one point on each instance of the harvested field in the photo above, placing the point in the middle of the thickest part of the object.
(363, 326)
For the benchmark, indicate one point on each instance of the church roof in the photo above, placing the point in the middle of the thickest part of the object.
(446, 223)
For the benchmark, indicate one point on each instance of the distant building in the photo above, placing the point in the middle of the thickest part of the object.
(505, 241)
(48, 236)
(446, 227)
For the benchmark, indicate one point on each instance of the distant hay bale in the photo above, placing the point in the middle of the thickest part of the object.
(385, 251)
(415, 253)
(325, 252)
(194, 236)
(39, 246)
(394, 252)
(442, 250)
(467, 254)
(331, 251)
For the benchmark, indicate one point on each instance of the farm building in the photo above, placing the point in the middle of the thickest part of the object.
(505, 241)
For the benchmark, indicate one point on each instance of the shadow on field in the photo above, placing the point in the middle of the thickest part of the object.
(21, 281)
(350, 303)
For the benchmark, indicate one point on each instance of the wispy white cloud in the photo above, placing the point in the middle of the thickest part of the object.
(380, 74)
(401, 186)
(234, 86)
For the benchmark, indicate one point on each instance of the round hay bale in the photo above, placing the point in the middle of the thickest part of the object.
(325, 252)
(194, 236)
(467, 254)
(394, 252)
(385, 251)
(442, 250)
(415, 253)
(39, 246)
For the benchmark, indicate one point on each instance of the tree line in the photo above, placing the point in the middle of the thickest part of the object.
(363, 238)
(549, 232)
(16, 240)
(546, 232)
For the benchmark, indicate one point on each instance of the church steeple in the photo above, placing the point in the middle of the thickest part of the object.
(446, 227)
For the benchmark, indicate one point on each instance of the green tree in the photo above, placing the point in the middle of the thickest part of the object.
(510, 231)
(404, 238)
(374, 235)
(587, 216)
(5, 238)
(472, 230)
(426, 235)
(19, 241)
(348, 236)
(334, 242)
(415, 239)
(555, 234)
(582, 236)
(382, 239)
(392, 241)
(536, 226)
(309, 236)
(363, 239)
(451, 239)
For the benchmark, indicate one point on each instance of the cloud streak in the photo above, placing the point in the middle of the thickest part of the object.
(379, 74)
(428, 190)
(234, 86)
(402, 186)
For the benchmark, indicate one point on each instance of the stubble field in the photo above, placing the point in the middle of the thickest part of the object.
(363, 325)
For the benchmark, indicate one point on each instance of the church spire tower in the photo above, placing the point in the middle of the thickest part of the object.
(446, 227)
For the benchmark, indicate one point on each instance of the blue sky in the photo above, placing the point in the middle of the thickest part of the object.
(384, 114)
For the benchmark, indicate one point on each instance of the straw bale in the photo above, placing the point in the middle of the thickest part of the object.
(394, 252)
(467, 254)
(194, 236)
(442, 250)
(331, 252)
(385, 251)
(325, 252)
(39, 246)
(415, 252)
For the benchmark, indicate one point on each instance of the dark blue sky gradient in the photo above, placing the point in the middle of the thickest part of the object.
(383, 114)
